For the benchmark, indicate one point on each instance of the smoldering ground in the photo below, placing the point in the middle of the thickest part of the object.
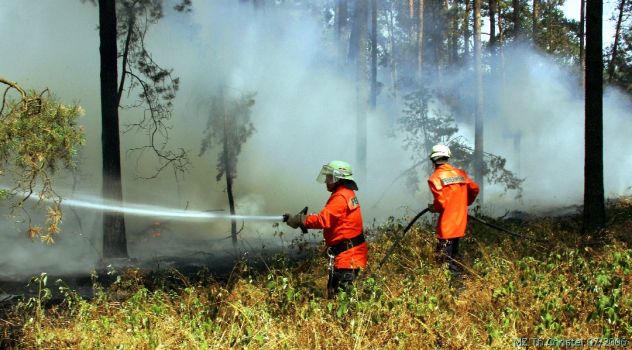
(304, 116)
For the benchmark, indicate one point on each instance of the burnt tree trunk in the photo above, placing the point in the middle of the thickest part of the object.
(594, 206)
(114, 240)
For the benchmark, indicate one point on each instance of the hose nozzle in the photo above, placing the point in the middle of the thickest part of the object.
(304, 212)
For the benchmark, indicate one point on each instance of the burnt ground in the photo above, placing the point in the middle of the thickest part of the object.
(16, 290)
(219, 263)
(165, 269)
(172, 270)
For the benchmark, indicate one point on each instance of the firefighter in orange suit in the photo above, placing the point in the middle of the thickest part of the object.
(341, 222)
(453, 192)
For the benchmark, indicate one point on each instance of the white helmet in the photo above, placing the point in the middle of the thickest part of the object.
(440, 151)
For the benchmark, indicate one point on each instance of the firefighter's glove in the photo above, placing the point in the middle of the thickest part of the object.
(431, 208)
(295, 220)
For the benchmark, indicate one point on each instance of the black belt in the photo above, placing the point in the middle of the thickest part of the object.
(346, 244)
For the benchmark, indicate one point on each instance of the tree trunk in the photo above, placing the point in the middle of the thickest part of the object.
(114, 240)
(362, 87)
(518, 151)
(393, 63)
(231, 199)
(615, 45)
(493, 63)
(454, 35)
(466, 32)
(550, 45)
(582, 41)
(501, 43)
(373, 101)
(420, 40)
(354, 36)
(594, 206)
(516, 19)
(478, 112)
(435, 14)
(341, 25)
(536, 21)
(228, 171)
(501, 31)
(492, 24)
(341, 18)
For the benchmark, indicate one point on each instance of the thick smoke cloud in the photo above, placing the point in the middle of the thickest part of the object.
(542, 102)
(304, 116)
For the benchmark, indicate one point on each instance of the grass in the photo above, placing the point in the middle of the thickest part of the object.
(572, 287)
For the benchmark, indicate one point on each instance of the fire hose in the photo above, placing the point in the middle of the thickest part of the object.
(501, 229)
(392, 248)
(412, 222)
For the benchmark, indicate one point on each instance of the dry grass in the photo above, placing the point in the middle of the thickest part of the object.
(564, 289)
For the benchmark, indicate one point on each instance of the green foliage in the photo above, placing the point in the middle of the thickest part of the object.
(36, 140)
(426, 122)
(510, 290)
(557, 34)
(38, 135)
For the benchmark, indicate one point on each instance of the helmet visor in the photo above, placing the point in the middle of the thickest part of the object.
(324, 171)
(335, 174)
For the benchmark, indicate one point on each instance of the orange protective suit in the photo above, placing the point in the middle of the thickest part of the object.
(341, 219)
(453, 192)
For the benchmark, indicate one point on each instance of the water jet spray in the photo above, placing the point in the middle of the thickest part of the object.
(100, 204)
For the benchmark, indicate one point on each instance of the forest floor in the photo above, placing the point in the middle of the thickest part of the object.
(553, 287)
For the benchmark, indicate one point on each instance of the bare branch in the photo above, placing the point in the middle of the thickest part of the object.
(156, 84)
(13, 85)
(128, 40)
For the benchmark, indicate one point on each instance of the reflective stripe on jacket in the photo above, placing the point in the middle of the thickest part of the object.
(453, 192)
(341, 219)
